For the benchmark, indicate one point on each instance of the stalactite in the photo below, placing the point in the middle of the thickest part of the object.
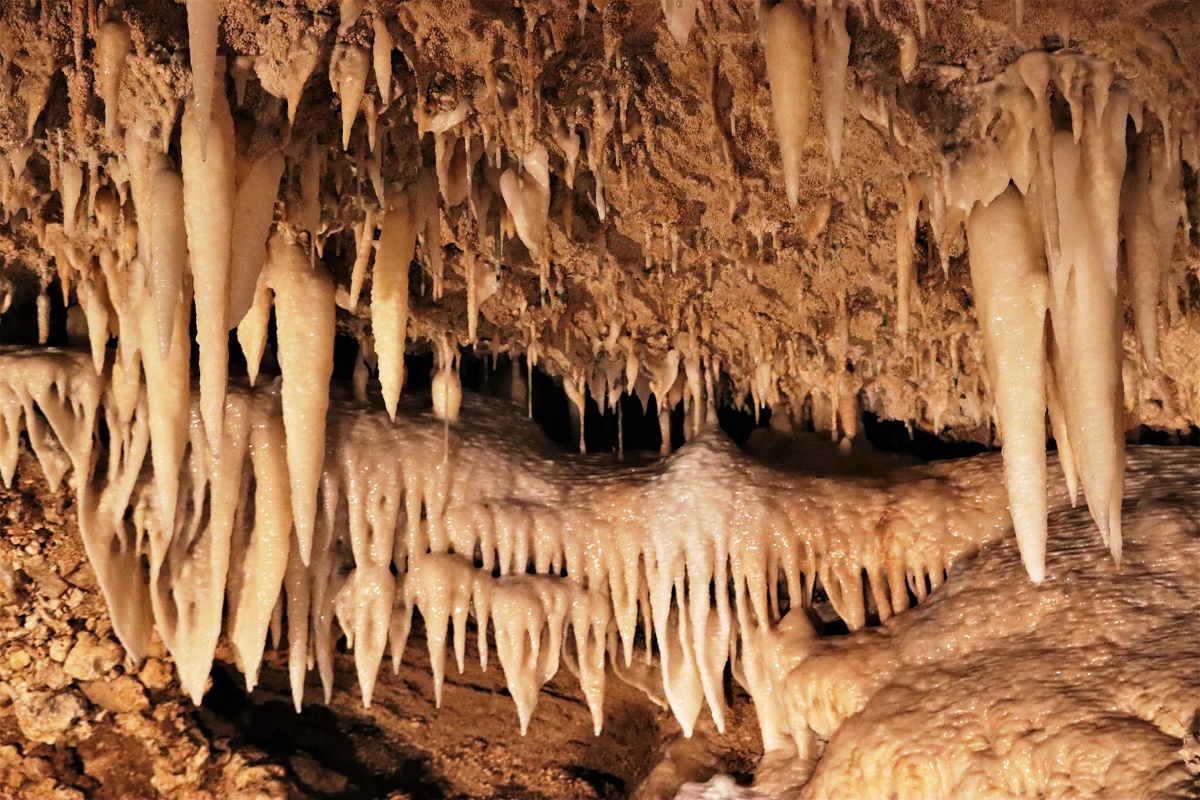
(338, 511)
(208, 202)
(832, 45)
(527, 197)
(389, 295)
(1008, 273)
(305, 315)
(348, 74)
(204, 19)
(788, 48)
(253, 215)
(391, 482)
(169, 252)
(381, 49)
(680, 16)
(112, 48)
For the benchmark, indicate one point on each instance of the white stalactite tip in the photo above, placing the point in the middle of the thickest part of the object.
(348, 72)
(788, 48)
(253, 329)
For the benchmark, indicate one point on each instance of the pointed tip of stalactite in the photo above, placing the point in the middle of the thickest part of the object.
(196, 686)
(352, 68)
(680, 16)
(1031, 543)
(1035, 568)
(1115, 544)
(296, 682)
(304, 540)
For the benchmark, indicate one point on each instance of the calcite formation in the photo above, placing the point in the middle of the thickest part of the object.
(992, 241)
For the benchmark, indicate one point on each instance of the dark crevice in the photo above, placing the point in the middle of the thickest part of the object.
(347, 746)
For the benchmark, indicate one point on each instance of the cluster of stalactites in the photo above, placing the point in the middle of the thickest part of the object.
(1049, 196)
(198, 229)
(216, 208)
(791, 36)
(570, 560)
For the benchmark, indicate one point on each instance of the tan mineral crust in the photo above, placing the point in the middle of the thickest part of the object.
(248, 550)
